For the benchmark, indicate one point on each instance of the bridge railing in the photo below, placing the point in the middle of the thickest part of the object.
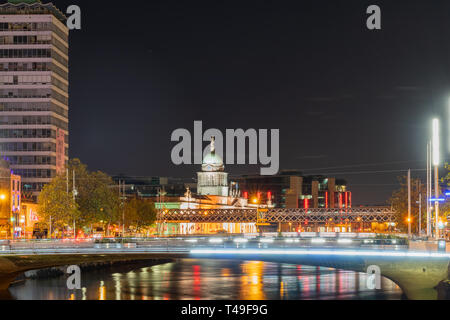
(381, 214)
(187, 244)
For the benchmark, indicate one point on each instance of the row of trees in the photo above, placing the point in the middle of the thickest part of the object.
(96, 201)
(399, 201)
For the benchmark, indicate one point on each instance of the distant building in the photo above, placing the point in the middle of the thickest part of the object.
(150, 187)
(34, 91)
(29, 219)
(212, 180)
(213, 192)
(292, 189)
(10, 202)
(18, 221)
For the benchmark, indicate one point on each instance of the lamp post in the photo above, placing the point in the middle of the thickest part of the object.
(159, 212)
(436, 160)
(74, 194)
(428, 189)
(409, 204)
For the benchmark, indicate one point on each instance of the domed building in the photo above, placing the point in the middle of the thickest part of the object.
(213, 192)
(213, 181)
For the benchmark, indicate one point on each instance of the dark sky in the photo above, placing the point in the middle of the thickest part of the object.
(355, 101)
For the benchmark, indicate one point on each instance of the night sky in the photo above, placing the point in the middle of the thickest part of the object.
(349, 102)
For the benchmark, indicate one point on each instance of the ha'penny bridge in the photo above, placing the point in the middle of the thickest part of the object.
(351, 215)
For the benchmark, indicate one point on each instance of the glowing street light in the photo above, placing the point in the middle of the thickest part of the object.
(436, 161)
(436, 143)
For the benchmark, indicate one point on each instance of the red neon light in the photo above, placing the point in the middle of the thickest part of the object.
(306, 203)
(326, 200)
(269, 195)
(350, 199)
(246, 195)
(340, 200)
(346, 200)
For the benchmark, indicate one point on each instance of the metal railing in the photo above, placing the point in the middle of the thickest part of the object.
(185, 245)
(381, 214)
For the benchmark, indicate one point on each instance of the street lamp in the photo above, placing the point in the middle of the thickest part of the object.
(436, 161)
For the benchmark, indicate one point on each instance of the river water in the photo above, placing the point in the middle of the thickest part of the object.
(211, 280)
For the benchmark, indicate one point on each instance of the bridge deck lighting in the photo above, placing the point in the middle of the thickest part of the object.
(240, 240)
(215, 240)
(309, 252)
(345, 241)
(348, 235)
(266, 241)
(318, 240)
(191, 240)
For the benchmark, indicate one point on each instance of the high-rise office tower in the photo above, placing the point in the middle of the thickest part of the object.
(34, 91)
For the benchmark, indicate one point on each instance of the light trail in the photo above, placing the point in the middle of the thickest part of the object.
(308, 252)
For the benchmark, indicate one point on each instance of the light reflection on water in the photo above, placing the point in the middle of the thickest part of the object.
(211, 280)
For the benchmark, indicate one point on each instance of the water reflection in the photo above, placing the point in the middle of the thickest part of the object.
(211, 280)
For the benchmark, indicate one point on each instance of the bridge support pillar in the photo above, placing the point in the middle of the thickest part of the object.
(444, 290)
(419, 279)
(6, 280)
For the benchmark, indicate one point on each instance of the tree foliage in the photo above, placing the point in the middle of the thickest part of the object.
(96, 198)
(139, 213)
(445, 208)
(399, 202)
(97, 201)
(56, 205)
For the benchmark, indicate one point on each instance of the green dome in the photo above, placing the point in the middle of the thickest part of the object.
(212, 162)
(213, 158)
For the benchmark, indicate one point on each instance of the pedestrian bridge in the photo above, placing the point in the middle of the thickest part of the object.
(377, 214)
(417, 273)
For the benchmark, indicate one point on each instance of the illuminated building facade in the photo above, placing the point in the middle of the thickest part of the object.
(292, 190)
(10, 201)
(34, 84)
(212, 181)
(28, 218)
(17, 221)
(213, 192)
(5, 199)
